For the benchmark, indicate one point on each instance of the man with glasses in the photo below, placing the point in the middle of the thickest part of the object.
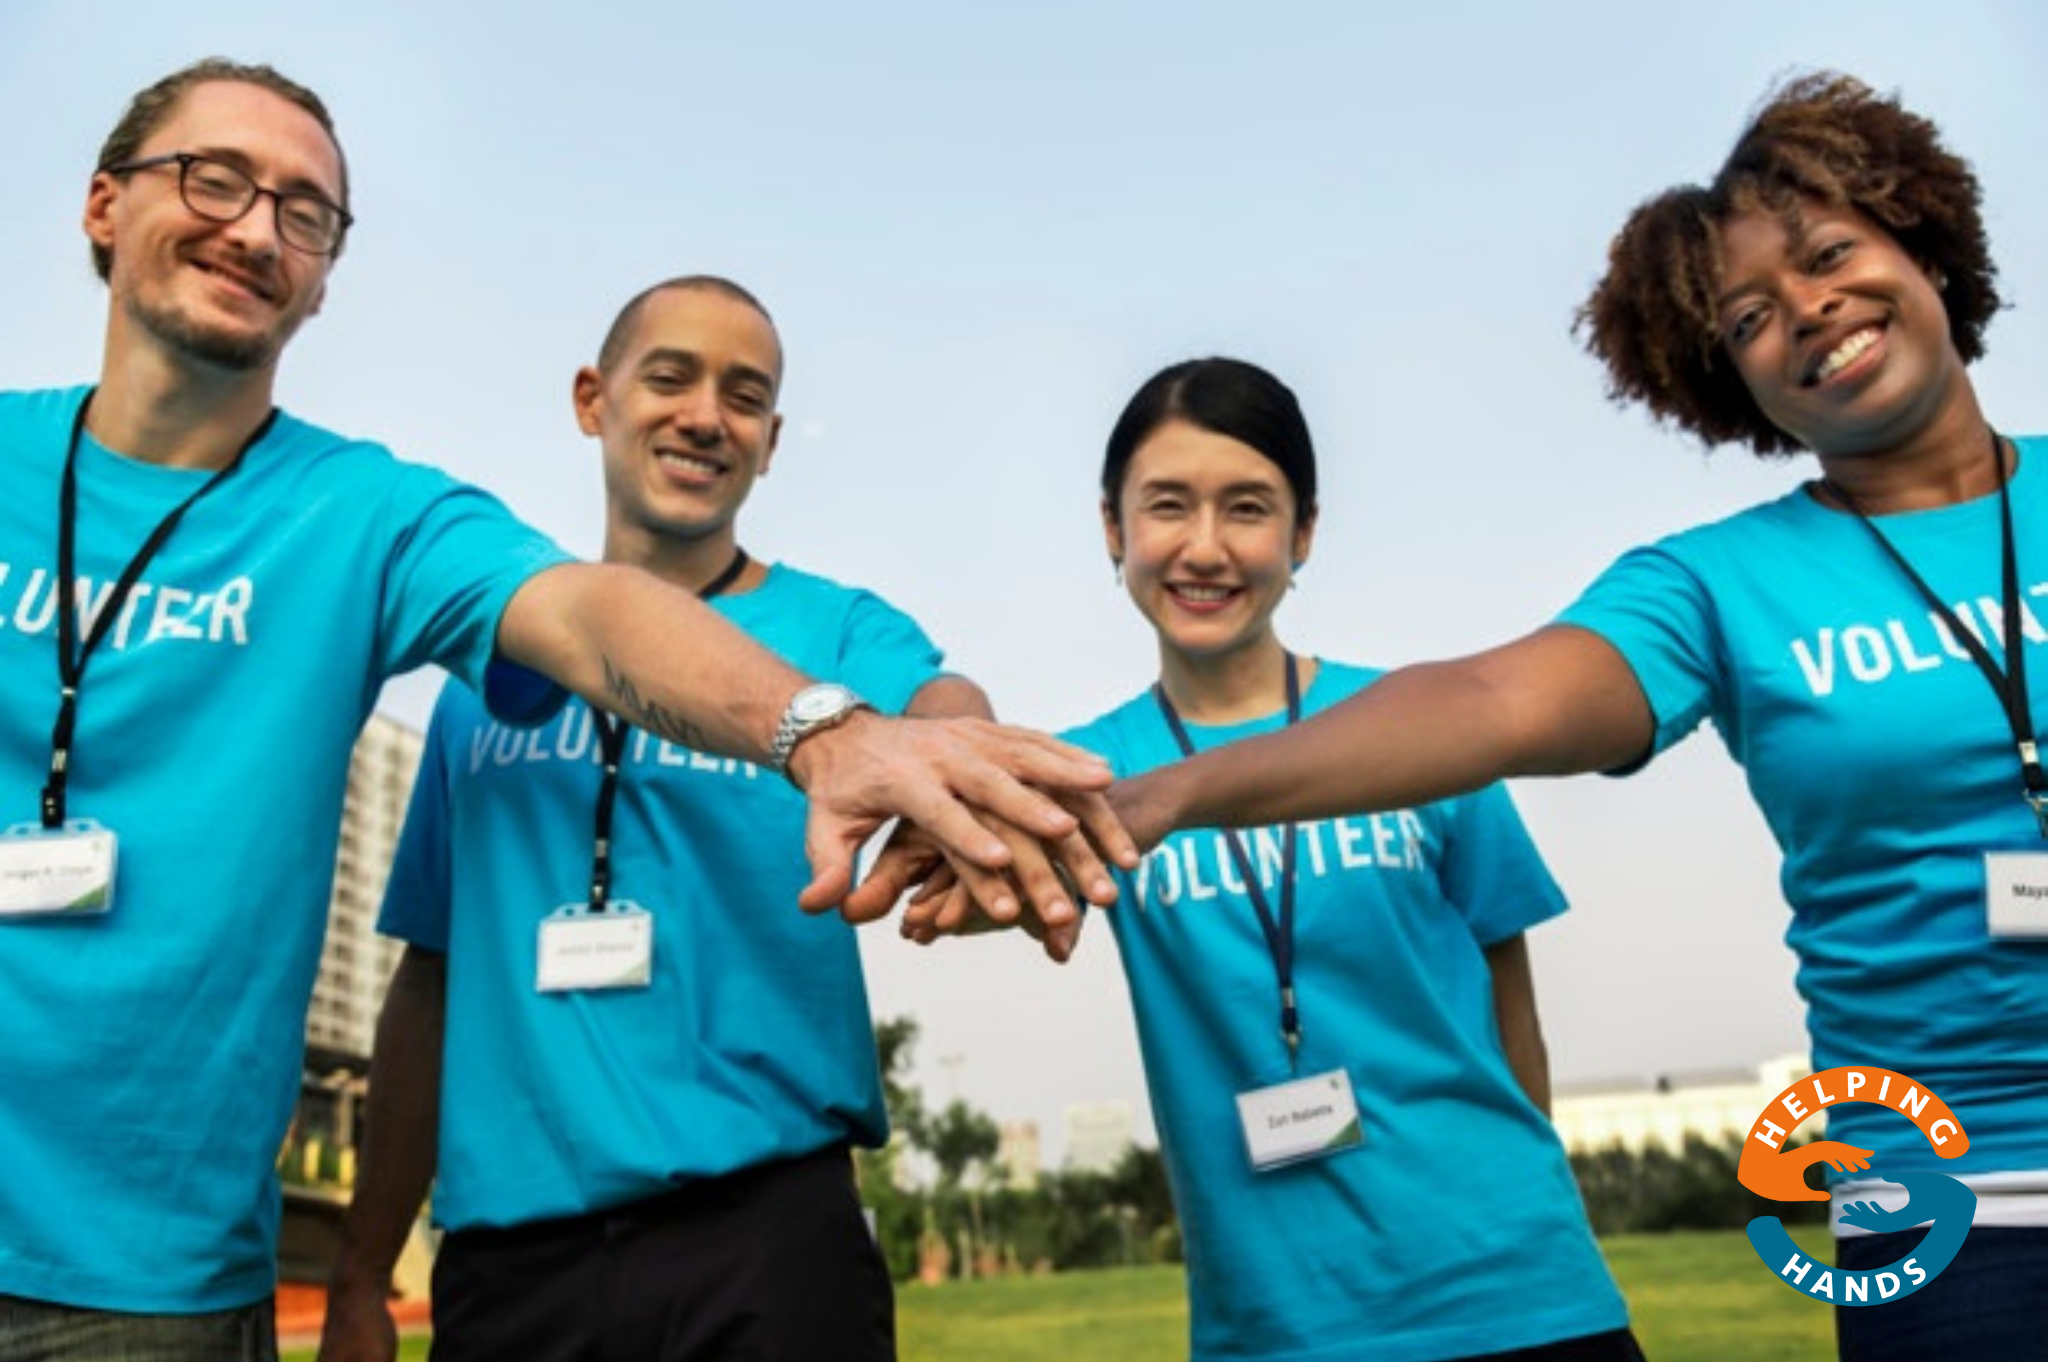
(203, 596)
(689, 1195)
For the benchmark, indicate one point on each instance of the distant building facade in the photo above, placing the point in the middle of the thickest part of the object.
(1018, 1158)
(1665, 1109)
(356, 963)
(1097, 1134)
(318, 1161)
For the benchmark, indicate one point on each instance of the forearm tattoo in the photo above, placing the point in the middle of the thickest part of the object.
(642, 712)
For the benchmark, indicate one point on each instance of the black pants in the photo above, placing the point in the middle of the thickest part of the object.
(770, 1264)
(1991, 1302)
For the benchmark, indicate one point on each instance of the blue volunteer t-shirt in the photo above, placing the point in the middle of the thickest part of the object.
(1884, 764)
(753, 1041)
(1385, 1252)
(153, 1052)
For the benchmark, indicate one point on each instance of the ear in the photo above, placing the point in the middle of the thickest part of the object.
(774, 443)
(1112, 534)
(98, 220)
(1304, 536)
(586, 393)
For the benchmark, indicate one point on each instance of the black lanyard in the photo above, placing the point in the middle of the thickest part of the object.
(71, 655)
(2010, 685)
(611, 740)
(1279, 932)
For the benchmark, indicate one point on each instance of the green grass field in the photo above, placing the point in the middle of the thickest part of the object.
(1694, 1297)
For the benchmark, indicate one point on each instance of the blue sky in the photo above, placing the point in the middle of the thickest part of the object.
(980, 228)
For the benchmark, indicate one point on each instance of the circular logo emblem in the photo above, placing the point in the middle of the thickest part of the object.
(1772, 1169)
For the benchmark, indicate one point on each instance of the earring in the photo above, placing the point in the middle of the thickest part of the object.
(1293, 578)
(1116, 570)
(1939, 280)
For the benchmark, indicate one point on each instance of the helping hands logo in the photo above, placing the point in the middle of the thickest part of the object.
(1771, 1170)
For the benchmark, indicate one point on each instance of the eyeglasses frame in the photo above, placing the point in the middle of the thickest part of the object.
(185, 160)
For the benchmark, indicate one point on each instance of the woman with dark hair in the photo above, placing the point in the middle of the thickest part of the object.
(1824, 293)
(1337, 1019)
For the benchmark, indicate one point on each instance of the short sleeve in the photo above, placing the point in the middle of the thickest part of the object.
(1658, 614)
(457, 557)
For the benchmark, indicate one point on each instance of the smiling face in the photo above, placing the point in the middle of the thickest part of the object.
(686, 415)
(1839, 335)
(222, 294)
(1207, 533)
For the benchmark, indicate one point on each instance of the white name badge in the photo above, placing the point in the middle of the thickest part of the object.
(581, 950)
(56, 872)
(1303, 1119)
(2016, 894)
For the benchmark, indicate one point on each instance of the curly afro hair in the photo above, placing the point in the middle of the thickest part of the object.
(1825, 137)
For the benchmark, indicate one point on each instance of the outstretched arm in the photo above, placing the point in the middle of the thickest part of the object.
(400, 1145)
(1559, 701)
(658, 657)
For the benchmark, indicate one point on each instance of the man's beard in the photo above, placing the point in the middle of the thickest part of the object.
(240, 353)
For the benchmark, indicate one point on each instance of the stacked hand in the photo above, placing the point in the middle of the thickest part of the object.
(1036, 894)
(1051, 861)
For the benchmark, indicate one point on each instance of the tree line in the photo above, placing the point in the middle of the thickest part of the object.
(1649, 1190)
(959, 1214)
(970, 1218)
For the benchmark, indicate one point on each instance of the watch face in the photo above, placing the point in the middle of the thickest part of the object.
(819, 702)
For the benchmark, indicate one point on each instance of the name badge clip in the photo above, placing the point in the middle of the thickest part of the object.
(64, 871)
(2016, 895)
(586, 950)
(1305, 1118)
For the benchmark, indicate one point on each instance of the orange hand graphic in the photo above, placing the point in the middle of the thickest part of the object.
(1781, 1174)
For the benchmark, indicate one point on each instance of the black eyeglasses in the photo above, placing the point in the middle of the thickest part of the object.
(219, 192)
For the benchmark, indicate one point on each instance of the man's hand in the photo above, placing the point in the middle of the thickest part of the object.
(399, 1150)
(943, 907)
(1039, 883)
(358, 1327)
(985, 797)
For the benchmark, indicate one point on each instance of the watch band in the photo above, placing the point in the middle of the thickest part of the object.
(811, 710)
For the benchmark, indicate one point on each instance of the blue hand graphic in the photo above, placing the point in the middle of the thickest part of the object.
(1934, 1196)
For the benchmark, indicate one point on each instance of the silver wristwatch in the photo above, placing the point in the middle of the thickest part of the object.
(811, 710)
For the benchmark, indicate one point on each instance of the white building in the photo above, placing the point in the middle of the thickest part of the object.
(1664, 1110)
(1097, 1134)
(318, 1161)
(1018, 1156)
(356, 963)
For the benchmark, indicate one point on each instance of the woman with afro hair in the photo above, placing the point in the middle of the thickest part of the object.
(1870, 647)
